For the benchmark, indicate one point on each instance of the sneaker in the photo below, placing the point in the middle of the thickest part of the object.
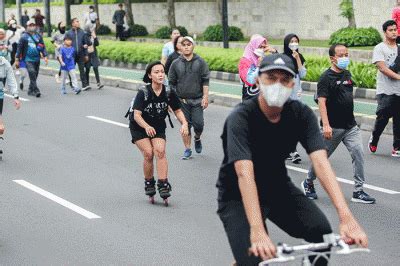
(31, 93)
(77, 91)
(99, 86)
(309, 190)
(362, 197)
(57, 77)
(63, 91)
(86, 88)
(295, 157)
(21, 86)
(38, 94)
(187, 154)
(372, 147)
(197, 145)
(396, 153)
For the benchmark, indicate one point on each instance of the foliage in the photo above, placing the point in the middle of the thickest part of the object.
(3, 25)
(165, 32)
(103, 30)
(356, 37)
(218, 59)
(215, 33)
(138, 30)
(346, 8)
(53, 28)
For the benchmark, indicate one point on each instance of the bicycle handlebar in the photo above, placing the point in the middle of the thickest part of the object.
(330, 241)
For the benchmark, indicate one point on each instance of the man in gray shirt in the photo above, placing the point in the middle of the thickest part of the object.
(387, 88)
(189, 76)
(118, 20)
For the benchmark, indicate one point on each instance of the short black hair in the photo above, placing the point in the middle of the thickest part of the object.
(67, 37)
(387, 24)
(91, 7)
(120, 4)
(149, 67)
(332, 49)
(73, 20)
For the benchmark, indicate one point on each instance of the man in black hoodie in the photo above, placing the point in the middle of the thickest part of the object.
(80, 42)
(189, 76)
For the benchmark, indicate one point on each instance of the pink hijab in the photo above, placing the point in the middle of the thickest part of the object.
(255, 42)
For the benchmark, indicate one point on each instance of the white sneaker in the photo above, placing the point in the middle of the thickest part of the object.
(57, 77)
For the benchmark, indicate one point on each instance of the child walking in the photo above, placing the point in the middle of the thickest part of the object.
(67, 61)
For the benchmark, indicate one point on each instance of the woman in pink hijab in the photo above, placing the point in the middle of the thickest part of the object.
(248, 65)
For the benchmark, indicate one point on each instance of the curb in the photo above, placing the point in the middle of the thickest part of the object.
(366, 123)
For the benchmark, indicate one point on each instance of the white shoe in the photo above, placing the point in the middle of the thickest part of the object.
(57, 77)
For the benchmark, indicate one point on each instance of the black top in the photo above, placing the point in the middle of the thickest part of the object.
(337, 88)
(118, 17)
(249, 135)
(154, 109)
(171, 58)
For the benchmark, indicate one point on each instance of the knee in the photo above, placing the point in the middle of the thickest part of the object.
(1, 129)
(316, 233)
(148, 155)
(159, 153)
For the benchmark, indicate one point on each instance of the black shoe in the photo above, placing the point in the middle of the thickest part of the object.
(21, 86)
(38, 94)
(87, 88)
(309, 190)
(295, 157)
(31, 93)
(197, 145)
(362, 197)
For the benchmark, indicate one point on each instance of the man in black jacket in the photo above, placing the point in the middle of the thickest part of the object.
(189, 76)
(80, 42)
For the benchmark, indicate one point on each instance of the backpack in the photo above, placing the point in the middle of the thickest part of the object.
(148, 97)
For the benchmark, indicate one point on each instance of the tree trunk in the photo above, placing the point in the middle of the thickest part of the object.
(47, 15)
(67, 6)
(19, 12)
(171, 13)
(129, 13)
(2, 11)
(96, 9)
(219, 8)
(352, 19)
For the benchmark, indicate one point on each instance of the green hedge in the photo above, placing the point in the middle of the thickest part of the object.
(165, 32)
(356, 37)
(218, 59)
(214, 33)
(103, 30)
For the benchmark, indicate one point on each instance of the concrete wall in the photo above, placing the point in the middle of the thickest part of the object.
(311, 19)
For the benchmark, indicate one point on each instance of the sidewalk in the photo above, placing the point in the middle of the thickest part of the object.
(221, 92)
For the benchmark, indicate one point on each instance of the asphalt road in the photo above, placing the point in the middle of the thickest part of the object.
(51, 144)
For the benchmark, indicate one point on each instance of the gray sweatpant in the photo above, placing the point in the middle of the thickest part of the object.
(64, 78)
(193, 112)
(351, 138)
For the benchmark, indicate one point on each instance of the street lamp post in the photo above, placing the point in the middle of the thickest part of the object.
(47, 15)
(2, 11)
(225, 26)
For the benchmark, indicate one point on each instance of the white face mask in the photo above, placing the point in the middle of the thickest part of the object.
(259, 52)
(294, 46)
(276, 94)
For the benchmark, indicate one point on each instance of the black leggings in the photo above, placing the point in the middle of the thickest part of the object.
(290, 210)
(96, 72)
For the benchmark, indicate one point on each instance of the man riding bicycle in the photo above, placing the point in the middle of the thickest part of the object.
(253, 182)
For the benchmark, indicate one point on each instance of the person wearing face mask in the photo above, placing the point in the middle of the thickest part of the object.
(291, 49)
(13, 35)
(336, 107)
(253, 183)
(30, 49)
(90, 19)
(5, 47)
(58, 40)
(249, 64)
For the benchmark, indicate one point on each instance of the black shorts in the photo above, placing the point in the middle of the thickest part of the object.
(1, 106)
(138, 135)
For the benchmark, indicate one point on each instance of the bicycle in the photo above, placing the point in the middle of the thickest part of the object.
(331, 241)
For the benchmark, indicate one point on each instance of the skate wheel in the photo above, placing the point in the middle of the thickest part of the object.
(166, 202)
(151, 199)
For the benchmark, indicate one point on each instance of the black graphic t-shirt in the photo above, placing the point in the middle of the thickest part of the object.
(337, 88)
(155, 108)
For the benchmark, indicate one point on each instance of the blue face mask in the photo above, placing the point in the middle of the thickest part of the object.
(343, 62)
(3, 53)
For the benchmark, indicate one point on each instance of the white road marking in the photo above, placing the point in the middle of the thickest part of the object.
(20, 98)
(107, 121)
(57, 199)
(342, 180)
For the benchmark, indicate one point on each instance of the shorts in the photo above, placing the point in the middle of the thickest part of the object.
(139, 135)
(1, 106)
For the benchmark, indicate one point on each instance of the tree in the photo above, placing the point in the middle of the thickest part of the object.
(347, 8)
(47, 15)
(19, 12)
(2, 11)
(67, 6)
(171, 13)
(129, 13)
(219, 8)
(96, 8)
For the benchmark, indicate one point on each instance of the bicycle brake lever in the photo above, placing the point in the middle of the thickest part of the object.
(277, 260)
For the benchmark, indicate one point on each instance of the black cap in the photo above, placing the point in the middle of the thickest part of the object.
(277, 61)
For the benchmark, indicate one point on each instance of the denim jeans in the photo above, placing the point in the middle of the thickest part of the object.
(33, 72)
(351, 138)
(388, 107)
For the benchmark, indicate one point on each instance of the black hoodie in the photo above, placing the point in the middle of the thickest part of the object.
(187, 78)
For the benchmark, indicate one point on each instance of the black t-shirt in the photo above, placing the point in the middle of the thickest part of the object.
(249, 135)
(155, 108)
(337, 88)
